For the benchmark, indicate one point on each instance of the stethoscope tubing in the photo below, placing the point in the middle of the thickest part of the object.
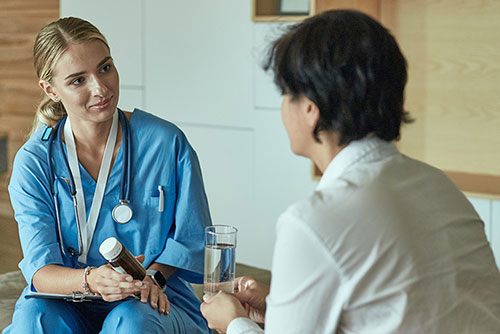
(126, 175)
(125, 196)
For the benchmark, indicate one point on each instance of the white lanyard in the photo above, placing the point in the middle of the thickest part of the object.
(88, 226)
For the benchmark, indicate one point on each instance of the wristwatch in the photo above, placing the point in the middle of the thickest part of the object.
(157, 278)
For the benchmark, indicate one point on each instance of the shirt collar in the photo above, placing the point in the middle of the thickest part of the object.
(368, 148)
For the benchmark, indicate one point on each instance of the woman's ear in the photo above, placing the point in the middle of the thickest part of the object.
(311, 113)
(48, 90)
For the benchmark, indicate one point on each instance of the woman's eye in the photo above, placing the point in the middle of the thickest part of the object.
(106, 68)
(77, 81)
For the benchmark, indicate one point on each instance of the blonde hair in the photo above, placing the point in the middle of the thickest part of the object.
(51, 42)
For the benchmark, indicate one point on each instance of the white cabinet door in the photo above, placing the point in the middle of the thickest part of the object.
(227, 162)
(198, 61)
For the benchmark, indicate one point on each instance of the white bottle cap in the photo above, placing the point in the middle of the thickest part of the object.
(110, 248)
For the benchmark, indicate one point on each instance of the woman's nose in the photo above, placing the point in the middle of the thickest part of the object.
(98, 87)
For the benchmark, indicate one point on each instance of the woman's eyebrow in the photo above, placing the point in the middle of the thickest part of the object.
(98, 65)
(103, 61)
(74, 75)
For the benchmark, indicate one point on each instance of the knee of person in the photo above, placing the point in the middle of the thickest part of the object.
(131, 317)
(40, 315)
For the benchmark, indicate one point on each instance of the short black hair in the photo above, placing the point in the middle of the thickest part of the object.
(351, 67)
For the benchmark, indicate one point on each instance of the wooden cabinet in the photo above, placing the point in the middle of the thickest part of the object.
(267, 10)
(453, 54)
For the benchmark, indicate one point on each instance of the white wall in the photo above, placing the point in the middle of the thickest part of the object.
(489, 211)
(122, 27)
(196, 63)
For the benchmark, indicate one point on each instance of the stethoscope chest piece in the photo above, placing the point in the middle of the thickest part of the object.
(122, 213)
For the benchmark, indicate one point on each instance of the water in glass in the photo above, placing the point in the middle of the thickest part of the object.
(219, 268)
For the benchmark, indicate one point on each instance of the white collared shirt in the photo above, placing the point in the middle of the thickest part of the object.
(386, 244)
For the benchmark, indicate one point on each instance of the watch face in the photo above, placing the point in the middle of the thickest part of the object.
(160, 279)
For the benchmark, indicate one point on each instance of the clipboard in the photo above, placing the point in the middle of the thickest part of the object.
(75, 297)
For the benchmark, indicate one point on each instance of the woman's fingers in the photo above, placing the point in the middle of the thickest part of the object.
(221, 309)
(122, 288)
(243, 282)
(113, 285)
(153, 295)
(145, 289)
(108, 271)
(163, 303)
(157, 299)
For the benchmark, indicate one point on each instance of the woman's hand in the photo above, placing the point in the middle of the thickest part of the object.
(249, 300)
(252, 295)
(111, 285)
(221, 309)
(157, 298)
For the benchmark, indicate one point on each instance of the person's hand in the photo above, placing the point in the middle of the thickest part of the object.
(111, 285)
(150, 291)
(252, 295)
(220, 310)
(157, 298)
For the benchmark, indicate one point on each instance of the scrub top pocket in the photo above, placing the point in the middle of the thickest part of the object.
(161, 210)
(162, 201)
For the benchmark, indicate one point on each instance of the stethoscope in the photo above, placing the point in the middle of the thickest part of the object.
(122, 213)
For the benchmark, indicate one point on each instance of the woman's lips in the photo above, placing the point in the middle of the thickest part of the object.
(102, 105)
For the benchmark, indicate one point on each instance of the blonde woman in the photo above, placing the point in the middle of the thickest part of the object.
(89, 172)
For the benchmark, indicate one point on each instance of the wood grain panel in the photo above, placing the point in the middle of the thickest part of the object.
(370, 7)
(29, 8)
(476, 183)
(20, 21)
(267, 10)
(453, 52)
(19, 95)
(264, 7)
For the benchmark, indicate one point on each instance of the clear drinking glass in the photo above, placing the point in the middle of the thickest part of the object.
(220, 259)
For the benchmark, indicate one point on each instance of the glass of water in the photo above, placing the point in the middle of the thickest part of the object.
(220, 260)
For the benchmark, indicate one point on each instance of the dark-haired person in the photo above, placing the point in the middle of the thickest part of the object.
(386, 244)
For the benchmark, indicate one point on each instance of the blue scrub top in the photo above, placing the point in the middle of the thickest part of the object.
(160, 155)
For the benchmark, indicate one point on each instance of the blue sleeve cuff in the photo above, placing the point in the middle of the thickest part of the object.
(40, 258)
(188, 260)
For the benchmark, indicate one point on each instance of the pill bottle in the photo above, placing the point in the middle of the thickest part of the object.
(121, 259)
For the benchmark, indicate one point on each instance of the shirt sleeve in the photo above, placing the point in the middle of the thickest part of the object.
(186, 243)
(243, 326)
(306, 282)
(31, 199)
